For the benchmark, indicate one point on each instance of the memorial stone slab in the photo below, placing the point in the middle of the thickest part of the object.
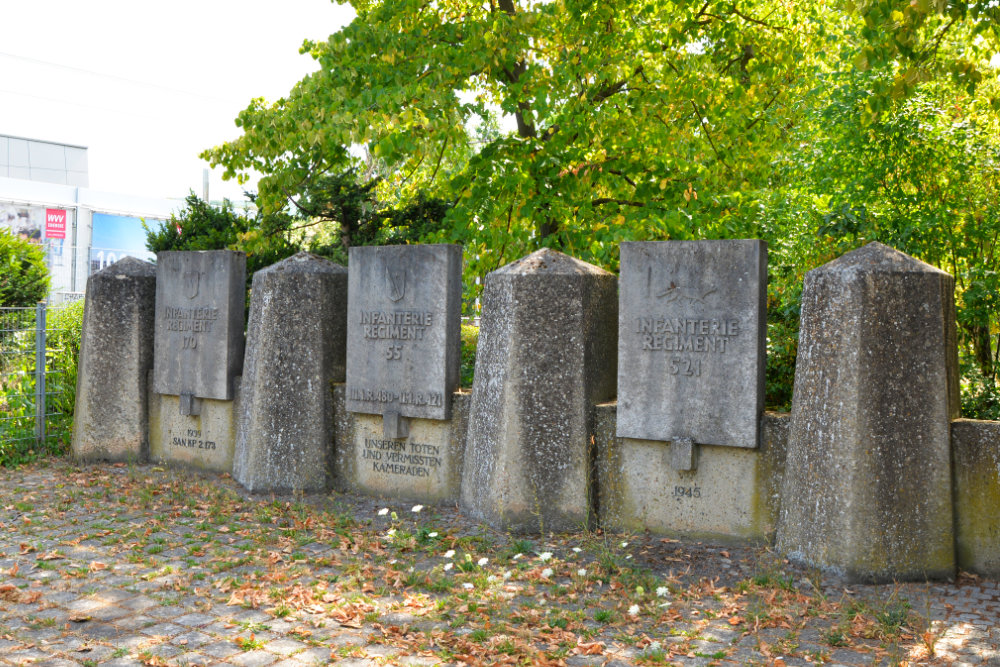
(546, 357)
(403, 321)
(198, 344)
(691, 341)
(296, 345)
(111, 420)
(867, 490)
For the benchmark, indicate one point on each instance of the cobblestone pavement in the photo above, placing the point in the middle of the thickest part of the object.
(125, 565)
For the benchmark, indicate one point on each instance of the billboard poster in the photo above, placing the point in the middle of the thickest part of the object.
(114, 237)
(48, 227)
(24, 221)
(55, 223)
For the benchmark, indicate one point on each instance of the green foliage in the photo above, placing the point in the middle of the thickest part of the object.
(577, 125)
(65, 328)
(17, 384)
(348, 213)
(201, 226)
(24, 278)
(470, 341)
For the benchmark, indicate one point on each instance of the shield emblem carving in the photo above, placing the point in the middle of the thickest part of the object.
(191, 280)
(397, 282)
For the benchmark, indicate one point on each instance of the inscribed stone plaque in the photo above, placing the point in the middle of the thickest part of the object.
(198, 342)
(691, 336)
(403, 318)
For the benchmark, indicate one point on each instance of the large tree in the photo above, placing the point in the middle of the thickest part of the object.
(581, 123)
(629, 116)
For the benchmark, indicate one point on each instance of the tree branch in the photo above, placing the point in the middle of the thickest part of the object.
(760, 116)
(621, 202)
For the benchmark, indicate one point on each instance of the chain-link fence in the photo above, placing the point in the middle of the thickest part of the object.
(35, 410)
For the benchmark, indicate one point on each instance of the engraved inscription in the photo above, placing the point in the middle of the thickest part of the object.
(192, 440)
(686, 492)
(393, 457)
(674, 334)
(433, 399)
(395, 325)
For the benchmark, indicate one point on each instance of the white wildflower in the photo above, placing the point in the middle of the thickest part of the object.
(633, 610)
(661, 591)
(434, 534)
(545, 556)
(467, 586)
(581, 572)
(624, 544)
(447, 566)
(577, 550)
(417, 508)
(482, 561)
(450, 553)
(547, 572)
(383, 511)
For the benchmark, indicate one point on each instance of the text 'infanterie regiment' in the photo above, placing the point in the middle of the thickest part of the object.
(396, 325)
(674, 334)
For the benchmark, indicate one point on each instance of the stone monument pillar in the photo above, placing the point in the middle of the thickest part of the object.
(867, 488)
(546, 357)
(296, 343)
(111, 421)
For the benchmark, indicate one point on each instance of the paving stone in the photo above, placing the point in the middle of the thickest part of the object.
(221, 649)
(191, 640)
(285, 646)
(195, 620)
(164, 630)
(253, 659)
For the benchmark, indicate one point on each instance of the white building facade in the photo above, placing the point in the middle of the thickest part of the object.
(45, 198)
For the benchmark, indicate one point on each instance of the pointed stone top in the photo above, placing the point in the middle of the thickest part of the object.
(128, 267)
(304, 262)
(876, 258)
(550, 262)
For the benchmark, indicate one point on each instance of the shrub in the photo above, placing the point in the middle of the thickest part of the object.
(470, 340)
(24, 278)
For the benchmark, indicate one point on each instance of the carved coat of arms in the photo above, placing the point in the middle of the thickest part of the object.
(191, 280)
(397, 282)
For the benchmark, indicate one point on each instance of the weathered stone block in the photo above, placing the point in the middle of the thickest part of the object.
(425, 466)
(296, 344)
(204, 441)
(546, 356)
(975, 449)
(403, 323)
(111, 420)
(731, 497)
(867, 489)
(691, 341)
(198, 344)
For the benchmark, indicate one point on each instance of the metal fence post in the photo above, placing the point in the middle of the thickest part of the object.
(40, 372)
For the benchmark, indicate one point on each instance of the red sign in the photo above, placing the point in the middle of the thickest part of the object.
(55, 223)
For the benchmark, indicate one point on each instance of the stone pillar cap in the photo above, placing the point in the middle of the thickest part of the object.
(127, 267)
(304, 262)
(553, 262)
(875, 258)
